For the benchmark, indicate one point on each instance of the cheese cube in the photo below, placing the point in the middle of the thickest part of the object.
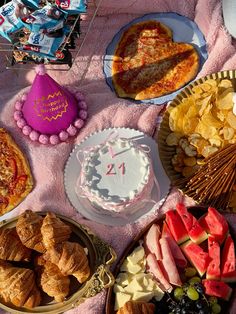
(136, 256)
(121, 299)
(130, 268)
(157, 292)
(123, 279)
(145, 296)
(133, 286)
(118, 288)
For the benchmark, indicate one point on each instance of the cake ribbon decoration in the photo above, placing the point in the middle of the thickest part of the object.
(117, 176)
(50, 113)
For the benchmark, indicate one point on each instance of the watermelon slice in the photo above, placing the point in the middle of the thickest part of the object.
(216, 224)
(213, 269)
(176, 226)
(179, 258)
(196, 233)
(217, 289)
(228, 271)
(196, 256)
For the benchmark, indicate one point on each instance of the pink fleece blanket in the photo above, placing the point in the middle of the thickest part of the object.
(106, 110)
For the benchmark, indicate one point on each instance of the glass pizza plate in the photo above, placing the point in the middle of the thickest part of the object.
(100, 255)
(73, 168)
(183, 29)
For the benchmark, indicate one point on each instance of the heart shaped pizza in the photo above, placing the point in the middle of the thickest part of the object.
(147, 63)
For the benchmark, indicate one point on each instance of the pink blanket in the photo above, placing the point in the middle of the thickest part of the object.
(106, 110)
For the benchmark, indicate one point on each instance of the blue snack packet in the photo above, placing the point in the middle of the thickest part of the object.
(49, 18)
(72, 6)
(10, 22)
(43, 44)
(34, 4)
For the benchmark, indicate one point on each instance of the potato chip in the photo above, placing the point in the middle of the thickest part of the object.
(189, 125)
(225, 100)
(225, 83)
(209, 119)
(197, 89)
(205, 130)
(206, 87)
(173, 139)
(228, 133)
(216, 141)
(231, 119)
(209, 150)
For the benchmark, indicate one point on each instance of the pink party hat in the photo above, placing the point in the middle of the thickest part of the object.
(50, 109)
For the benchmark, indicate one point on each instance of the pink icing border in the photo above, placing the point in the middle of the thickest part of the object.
(54, 139)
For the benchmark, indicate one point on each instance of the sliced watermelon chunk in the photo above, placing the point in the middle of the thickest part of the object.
(213, 269)
(196, 233)
(196, 256)
(217, 289)
(151, 241)
(228, 270)
(179, 258)
(216, 224)
(176, 226)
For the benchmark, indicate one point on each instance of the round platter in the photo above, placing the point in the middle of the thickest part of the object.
(197, 211)
(167, 152)
(184, 30)
(73, 168)
(100, 256)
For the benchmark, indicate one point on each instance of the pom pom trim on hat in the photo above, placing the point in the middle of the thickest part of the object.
(52, 139)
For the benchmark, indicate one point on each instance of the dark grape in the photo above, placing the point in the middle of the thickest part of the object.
(199, 288)
(199, 304)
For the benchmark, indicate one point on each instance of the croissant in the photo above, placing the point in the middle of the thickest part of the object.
(70, 259)
(11, 248)
(54, 230)
(28, 228)
(51, 280)
(137, 307)
(17, 286)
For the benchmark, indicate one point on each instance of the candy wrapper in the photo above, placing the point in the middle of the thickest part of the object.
(34, 4)
(49, 18)
(72, 6)
(10, 22)
(42, 44)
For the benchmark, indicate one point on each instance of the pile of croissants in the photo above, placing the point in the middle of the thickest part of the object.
(56, 260)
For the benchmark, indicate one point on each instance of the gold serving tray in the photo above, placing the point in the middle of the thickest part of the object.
(100, 256)
(167, 152)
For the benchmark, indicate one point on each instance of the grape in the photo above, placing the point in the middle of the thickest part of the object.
(212, 300)
(178, 293)
(199, 288)
(192, 294)
(199, 305)
(216, 308)
(194, 280)
(190, 272)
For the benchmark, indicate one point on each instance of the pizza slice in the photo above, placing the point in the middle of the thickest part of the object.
(148, 64)
(15, 176)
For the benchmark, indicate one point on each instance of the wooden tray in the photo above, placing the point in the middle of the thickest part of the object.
(167, 152)
(196, 211)
(100, 256)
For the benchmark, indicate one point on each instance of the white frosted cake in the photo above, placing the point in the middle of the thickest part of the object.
(116, 175)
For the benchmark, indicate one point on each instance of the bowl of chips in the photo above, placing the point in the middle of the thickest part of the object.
(197, 125)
